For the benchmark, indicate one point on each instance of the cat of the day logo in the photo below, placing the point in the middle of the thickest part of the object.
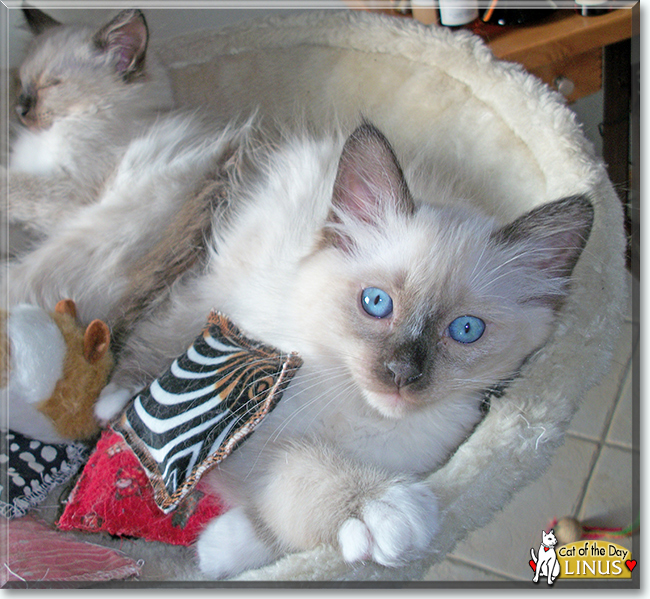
(592, 559)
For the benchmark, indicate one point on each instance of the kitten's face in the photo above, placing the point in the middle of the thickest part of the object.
(425, 303)
(416, 316)
(75, 70)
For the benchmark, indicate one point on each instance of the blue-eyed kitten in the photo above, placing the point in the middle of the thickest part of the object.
(403, 310)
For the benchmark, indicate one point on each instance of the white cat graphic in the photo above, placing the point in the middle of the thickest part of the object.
(546, 563)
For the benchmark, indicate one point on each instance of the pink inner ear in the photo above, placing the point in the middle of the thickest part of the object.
(126, 37)
(359, 199)
(370, 181)
(126, 50)
(124, 61)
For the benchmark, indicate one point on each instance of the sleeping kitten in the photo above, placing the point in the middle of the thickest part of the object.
(403, 311)
(85, 95)
(121, 191)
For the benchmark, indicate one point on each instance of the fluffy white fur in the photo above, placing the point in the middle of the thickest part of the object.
(230, 545)
(397, 526)
(37, 351)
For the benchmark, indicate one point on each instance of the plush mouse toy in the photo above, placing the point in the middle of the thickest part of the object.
(53, 371)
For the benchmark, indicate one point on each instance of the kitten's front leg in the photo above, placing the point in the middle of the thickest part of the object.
(395, 528)
(310, 494)
(230, 545)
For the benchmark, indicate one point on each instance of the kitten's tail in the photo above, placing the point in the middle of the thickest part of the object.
(532, 554)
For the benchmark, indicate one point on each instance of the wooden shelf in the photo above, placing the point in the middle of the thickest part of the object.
(560, 36)
(563, 47)
(566, 46)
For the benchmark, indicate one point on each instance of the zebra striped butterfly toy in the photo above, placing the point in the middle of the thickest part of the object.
(203, 407)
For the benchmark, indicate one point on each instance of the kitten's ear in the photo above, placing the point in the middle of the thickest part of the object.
(38, 21)
(369, 181)
(127, 36)
(550, 238)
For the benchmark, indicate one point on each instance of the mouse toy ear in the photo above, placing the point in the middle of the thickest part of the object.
(97, 339)
(66, 306)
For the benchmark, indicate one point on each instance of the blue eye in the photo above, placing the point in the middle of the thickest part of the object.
(376, 302)
(466, 329)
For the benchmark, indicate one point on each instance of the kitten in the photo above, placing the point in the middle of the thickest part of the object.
(85, 95)
(403, 311)
(122, 190)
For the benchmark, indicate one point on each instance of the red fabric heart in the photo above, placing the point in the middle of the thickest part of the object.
(631, 564)
(114, 495)
(532, 564)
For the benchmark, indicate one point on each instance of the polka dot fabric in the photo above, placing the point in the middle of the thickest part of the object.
(30, 469)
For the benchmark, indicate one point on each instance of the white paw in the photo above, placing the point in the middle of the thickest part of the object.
(111, 402)
(228, 545)
(394, 529)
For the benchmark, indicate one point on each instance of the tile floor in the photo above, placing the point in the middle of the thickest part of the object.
(591, 479)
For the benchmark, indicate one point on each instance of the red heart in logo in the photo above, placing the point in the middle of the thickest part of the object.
(546, 548)
(532, 564)
(631, 564)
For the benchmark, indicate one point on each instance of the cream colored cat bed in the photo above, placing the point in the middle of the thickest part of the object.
(442, 98)
(507, 142)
